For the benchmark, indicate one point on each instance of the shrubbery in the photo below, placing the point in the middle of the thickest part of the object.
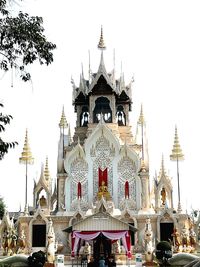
(163, 252)
(37, 259)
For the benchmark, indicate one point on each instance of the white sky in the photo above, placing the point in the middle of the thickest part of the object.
(157, 41)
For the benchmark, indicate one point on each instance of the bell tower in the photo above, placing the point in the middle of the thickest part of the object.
(101, 96)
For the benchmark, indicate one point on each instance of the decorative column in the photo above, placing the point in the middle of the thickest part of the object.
(144, 176)
(177, 155)
(62, 176)
(26, 159)
(63, 125)
(144, 170)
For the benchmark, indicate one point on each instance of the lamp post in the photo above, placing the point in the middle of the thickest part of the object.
(177, 155)
(26, 158)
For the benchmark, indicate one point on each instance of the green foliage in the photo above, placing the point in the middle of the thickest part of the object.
(22, 42)
(37, 259)
(5, 146)
(2, 207)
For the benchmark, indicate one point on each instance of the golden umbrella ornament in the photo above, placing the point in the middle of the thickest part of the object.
(177, 155)
(26, 158)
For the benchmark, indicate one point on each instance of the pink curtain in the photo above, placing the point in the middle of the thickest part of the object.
(75, 247)
(126, 241)
(86, 236)
(113, 235)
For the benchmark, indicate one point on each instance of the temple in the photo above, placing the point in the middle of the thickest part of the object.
(102, 196)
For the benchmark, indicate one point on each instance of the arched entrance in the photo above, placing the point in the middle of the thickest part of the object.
(166, 227)
(101, 247)
(166, 231)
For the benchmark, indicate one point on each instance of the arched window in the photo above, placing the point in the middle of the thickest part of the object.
(84, 117)
(102, 106)
(126, 189)
(121, 117)
(79, 190)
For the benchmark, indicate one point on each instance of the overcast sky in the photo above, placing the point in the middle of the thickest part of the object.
(156, 41)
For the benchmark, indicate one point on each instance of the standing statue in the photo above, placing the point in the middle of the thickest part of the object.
(184, 238)
(176, 240)
(117, 247)
(21, 243)
(163, 196)
(51, 244)
(13, 241)
(87, 250)
(192, 239)
(5, 243)
(148, 241)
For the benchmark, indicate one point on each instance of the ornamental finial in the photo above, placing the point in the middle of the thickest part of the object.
(162, 168)
(63, 122)
(141, 117)
(46, 170)
(101, 44)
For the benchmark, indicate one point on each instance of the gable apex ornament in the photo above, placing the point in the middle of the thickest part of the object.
(101, 44)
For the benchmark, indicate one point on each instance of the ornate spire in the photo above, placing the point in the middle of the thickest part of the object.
(176, 151)
(26, 156)
(141, 117)
(46, 170)
(63, 122)
(101, 44)
(162, 168)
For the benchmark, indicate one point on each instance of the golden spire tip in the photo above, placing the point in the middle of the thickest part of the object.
(101, 44)
(63, 122)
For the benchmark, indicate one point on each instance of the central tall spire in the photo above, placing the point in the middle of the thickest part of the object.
(101, 44)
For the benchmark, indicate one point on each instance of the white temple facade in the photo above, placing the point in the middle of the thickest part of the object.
(103, 182)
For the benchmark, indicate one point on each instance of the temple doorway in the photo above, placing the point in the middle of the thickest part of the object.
(166, 231)
(39, 235)
(101, 247)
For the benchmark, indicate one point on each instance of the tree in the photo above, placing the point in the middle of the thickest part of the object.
(22, 42)
(4, 146)
(2, 207)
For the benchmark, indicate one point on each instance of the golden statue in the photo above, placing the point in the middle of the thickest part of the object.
(103, 191)
(43, 201)
(163, 196)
